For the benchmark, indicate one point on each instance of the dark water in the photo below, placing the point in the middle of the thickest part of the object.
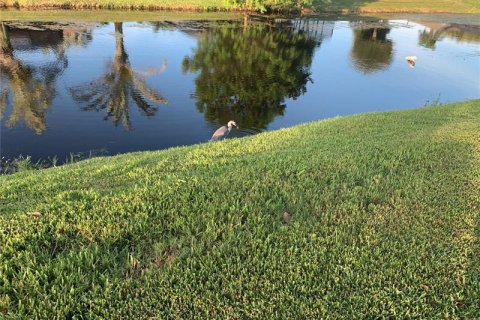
(111, 88)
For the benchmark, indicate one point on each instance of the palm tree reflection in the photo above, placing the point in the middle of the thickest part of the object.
(30, 97)
(30, 90)
(112, 91)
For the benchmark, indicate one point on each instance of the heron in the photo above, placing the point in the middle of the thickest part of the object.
(223, 131)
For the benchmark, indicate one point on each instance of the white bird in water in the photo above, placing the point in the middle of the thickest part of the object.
(411, 60)
(223, 131)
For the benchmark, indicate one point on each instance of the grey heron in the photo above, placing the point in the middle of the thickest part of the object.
(223, 131)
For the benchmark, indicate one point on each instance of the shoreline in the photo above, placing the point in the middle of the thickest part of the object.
(177, 15)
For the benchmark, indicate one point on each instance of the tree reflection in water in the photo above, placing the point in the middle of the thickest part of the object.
(120, 83)
(246, 73)
(435, 32)
(372, 51)
(29, 90)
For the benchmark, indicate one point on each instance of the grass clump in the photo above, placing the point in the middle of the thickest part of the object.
(383, 222)
(25, 163)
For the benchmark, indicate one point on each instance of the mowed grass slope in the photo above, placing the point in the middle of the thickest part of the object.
(384, 214)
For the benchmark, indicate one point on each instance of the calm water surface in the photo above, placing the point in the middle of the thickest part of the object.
(111, 88)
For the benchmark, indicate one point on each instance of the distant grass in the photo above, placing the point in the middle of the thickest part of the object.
(384, 224)
(112, 15)
(427, 6)
(123, 4)
(367, 6)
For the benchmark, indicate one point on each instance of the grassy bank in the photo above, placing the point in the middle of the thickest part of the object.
(397, 6)
(366, 6)
(383, 221)
(122, 4)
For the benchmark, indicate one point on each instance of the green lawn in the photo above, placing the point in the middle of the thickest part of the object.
(384, 214)
(427, 6)
(370, 6)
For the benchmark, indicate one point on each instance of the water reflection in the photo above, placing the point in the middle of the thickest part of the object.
(372, 51)
(435, 32)
(320, 30)
(62, 79)
(120, 83)
(246, 73)
(30, 89)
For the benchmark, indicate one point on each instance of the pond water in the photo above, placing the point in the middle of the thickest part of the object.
(108, 88)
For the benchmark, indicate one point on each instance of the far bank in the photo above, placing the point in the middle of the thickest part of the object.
(263, 6)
